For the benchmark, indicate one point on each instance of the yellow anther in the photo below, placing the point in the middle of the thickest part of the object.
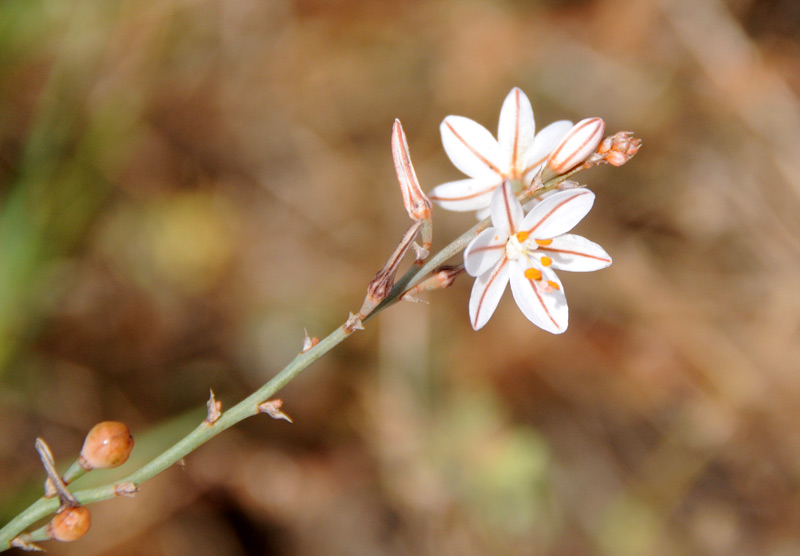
(546, 261)
(522, 236)
(543, 241)
(533, 274)
(553, 285)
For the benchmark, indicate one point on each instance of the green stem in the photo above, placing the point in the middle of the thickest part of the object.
(202, 433)
(249, 406)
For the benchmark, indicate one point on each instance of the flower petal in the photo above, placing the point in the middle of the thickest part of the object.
(558, 213)
(471, 147)
(542, 301)
(485, 212)
(468, 194)
(576, 254)
(543, 144)
(486, 293)
(485, 251)
(506, 211)
(516, 129)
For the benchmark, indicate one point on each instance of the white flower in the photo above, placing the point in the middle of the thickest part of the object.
(516, 155)
(526, 250)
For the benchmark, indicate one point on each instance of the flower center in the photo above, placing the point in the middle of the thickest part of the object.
(514, 246)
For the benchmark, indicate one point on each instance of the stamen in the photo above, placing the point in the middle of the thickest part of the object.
(533, 274)
(522, 236)
(546, 261)
(543, 241)
(553, 285)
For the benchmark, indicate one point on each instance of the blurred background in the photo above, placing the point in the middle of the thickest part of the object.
(185, 185)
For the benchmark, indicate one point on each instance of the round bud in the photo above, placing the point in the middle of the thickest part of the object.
(69, 524)
(107, 445)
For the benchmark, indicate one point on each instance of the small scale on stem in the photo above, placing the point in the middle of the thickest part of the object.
(273, 409)
(214, 408)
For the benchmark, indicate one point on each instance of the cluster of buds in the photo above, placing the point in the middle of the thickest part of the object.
(617, 149)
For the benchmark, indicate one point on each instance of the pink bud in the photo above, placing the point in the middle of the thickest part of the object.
(416, 202)
(576, 146)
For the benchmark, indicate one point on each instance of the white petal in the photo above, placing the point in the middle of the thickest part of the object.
(468, 194)
(484, 251)
(506, 211)
(558, 213)
(516, 129)
(471, 147)
(486, 293)
(576, 254)
(544, 304)
(543, 144)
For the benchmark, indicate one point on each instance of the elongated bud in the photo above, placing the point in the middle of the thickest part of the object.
(576, 146)
(69, 524)
(107, 445)
(441, 278)
(416, 202)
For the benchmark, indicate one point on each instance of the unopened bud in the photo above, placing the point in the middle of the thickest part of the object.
(618, 149)
(69, 524)
(441, 278)
(575, 147)
(107, 445)
(416, 202)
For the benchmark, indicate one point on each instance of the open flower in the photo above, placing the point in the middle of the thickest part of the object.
(516, 155)
(526, 250)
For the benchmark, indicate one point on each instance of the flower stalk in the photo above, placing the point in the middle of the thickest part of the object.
(519, 159)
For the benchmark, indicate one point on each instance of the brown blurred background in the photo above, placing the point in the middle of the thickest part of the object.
(186, 184)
